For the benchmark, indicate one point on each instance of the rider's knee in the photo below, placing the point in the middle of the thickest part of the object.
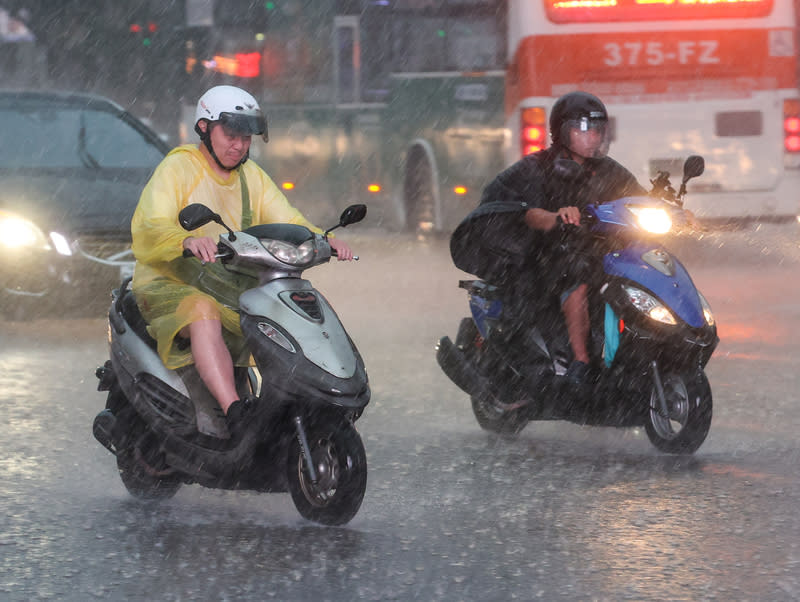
(198, 307)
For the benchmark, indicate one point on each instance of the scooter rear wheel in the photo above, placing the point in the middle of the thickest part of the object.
(143, 471)
(502, 419)
(688, 397)
(340, 462)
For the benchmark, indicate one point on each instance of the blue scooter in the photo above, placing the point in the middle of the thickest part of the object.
(652, 335)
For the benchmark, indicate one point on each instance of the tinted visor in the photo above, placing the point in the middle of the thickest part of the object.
(584, 124)
(246, 125)
(600, 143)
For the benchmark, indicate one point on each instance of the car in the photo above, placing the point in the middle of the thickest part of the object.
(72, 167)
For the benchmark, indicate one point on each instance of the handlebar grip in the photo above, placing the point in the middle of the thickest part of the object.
(335, 254)
(187, 253)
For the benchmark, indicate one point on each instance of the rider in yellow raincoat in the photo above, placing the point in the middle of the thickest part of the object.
(217, 174)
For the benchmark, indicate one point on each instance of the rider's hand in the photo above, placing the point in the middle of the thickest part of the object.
(205, 249)
(343, 250)
(570, 215)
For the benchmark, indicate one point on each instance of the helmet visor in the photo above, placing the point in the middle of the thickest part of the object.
(246, 125)
(587, 136)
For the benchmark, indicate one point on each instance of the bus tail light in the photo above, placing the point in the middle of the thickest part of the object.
(791, 131)
(533, 130)
(374, 188)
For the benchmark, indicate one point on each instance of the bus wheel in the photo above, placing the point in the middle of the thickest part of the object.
(419, 195)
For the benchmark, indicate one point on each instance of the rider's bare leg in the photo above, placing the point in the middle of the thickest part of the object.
(213, 360)
(576, 315)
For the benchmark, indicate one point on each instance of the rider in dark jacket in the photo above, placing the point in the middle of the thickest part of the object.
(515, 238)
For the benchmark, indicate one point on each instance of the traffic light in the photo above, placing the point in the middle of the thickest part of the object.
(144, 31)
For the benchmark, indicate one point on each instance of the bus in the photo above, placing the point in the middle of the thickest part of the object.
(716, 78)
(395, 103)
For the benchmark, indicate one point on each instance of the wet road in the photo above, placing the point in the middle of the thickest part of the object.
(562, 512)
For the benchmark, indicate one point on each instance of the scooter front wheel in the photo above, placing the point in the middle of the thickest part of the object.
(340, 465)
(689, 405)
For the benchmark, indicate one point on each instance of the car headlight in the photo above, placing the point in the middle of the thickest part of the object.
(707, 313)
(649, 305)
(652, 219)
(289, 253)
(61, 244)
(19, 233)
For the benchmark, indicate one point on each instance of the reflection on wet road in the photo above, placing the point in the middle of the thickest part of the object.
(561, 512)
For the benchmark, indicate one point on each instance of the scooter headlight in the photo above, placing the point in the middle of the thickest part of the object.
(289, 253)
(652, 219)
(19, 233)
(649, 305)
(707, 313)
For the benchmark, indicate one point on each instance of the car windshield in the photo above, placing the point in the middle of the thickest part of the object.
(70, 137)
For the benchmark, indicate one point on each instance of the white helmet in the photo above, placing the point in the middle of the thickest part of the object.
(234, 108)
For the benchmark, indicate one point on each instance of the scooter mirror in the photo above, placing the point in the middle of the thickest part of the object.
(353, 214)
(694, 166)
(195, 215)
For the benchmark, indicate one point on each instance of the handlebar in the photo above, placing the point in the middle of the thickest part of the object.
(334, 253)
(187, 254)
(218, 255)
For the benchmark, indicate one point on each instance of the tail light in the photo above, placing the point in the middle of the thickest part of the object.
(533, 130)
(791, 126)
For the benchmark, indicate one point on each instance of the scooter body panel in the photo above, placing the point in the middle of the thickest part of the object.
(660, 272)
(297, 308)
(131, 356)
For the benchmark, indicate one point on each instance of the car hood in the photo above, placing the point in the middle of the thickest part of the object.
(75, 201)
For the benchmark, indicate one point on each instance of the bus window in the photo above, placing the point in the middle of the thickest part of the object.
(586, 11)
(347, 57)
(423, 42)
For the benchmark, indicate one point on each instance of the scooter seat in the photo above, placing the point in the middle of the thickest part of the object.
(133, 316)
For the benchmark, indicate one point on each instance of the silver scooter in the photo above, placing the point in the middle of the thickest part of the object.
(166, 429)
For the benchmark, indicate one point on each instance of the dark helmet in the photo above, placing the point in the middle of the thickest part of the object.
(576, 110)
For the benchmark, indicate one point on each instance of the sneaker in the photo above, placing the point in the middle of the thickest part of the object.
(577, 373)
(578, 383)
(240, 416)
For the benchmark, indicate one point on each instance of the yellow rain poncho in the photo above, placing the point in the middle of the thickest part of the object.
(167, 303)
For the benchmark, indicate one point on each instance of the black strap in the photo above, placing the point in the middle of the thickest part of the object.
(247, 213)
